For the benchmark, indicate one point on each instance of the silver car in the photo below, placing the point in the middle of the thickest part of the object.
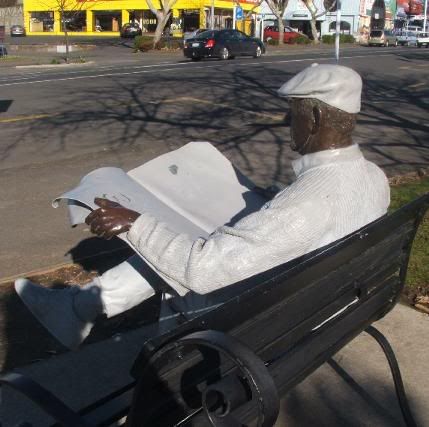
(17, 30)
(382, 38)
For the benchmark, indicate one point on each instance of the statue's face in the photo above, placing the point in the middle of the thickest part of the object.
(301, 125)
(317, 127)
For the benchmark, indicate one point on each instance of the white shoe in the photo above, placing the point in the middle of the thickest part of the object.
(53, 308)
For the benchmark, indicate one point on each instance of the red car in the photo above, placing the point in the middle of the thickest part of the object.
(272, 32)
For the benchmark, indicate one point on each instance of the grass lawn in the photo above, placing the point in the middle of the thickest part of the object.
(417, 282)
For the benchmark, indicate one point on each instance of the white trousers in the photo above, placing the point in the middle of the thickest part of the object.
(124, 286)
(133, 281)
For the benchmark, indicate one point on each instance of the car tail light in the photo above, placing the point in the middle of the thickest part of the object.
(210, 43)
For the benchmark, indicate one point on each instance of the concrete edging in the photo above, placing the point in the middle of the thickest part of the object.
(73, 64)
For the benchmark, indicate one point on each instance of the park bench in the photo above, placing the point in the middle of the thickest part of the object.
(229, 365)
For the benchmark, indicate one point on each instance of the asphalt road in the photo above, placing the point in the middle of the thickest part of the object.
(57, 125)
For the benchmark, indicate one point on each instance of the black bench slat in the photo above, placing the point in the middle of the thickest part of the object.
(263, 291)
(325, 343)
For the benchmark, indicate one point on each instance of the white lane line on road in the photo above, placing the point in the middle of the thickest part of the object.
(237, 64)
(416, 85)
(32, 74)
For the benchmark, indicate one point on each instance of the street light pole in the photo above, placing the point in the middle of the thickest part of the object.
(337, 32)
(426, 16)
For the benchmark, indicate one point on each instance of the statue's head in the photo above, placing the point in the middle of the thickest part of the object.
(324, 101)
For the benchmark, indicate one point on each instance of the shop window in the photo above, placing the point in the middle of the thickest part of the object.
(148, 22)
(73, 21)
(41, 22)
(344, 27)
(191, 20)
(107, 20)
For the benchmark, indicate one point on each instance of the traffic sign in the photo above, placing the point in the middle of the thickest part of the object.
(238, 13)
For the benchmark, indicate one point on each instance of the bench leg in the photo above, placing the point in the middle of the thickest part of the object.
(44, 399)
(396, 374)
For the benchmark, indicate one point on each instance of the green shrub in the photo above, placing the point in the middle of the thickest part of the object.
(300, 40)
(344, 38)
(272, 42)
(143, 43)
(170, 43)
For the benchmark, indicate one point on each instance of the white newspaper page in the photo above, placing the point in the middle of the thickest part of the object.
(201, 184)
(114, 184)
(194, 190)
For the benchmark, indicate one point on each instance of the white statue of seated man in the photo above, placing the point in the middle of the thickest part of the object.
(336, 192)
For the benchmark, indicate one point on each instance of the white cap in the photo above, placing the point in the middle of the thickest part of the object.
(334, 85)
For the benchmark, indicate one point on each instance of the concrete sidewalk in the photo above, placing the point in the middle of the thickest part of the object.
(356, 390)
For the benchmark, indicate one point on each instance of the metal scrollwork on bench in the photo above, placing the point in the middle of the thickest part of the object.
(243, 387)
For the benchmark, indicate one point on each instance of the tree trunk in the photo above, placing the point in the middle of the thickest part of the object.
(66, 39)
(314, 30)
(162, 19)
(281, 30)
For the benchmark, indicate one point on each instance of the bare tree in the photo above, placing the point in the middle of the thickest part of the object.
(162, 15)
(278, 8)
(9, 9)
(69, 11)
(7, 3)
(315, 12)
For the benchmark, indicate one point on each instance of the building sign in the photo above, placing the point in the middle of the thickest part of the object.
(366, 6)
(238, 13)
(410, 7)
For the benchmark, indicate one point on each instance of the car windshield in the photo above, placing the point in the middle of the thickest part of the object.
(207, 34)
(424, 35)
(376, 33)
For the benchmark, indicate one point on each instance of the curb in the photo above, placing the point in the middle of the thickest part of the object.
(51, 48)
(73, 64)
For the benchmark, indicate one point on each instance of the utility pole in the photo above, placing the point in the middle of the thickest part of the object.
(337, 32)
(233, 17)
(426, 16)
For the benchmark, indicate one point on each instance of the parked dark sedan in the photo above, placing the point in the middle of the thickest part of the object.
(131, 30)
(223, 44)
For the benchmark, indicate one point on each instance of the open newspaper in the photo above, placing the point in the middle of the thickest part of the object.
(194, 190)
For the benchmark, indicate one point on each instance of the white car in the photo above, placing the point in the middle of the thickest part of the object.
(422, 39)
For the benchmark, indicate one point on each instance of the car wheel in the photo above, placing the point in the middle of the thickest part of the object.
(224, 53)
(258, 52)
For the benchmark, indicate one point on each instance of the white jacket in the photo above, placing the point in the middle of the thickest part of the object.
(335, 193)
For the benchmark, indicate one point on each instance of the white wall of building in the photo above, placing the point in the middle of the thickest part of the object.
(297, 11)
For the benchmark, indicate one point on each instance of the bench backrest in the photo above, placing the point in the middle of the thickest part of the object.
(301, 312)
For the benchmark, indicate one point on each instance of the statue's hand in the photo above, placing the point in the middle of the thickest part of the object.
(110, 219)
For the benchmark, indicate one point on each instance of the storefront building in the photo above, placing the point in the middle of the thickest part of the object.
(106, 17)
(298, 17)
